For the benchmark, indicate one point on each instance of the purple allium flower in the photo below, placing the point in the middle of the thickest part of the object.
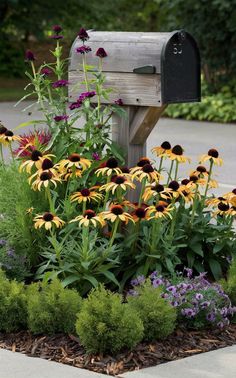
(75, 105)
(45, 71)
(2, 242)
(119, 102)
(29, 56)
(83, 35)
(60, 83)
(101, 53)
(211, 317)
(199, 296)
(83, 49)
(63, 117)
(157, 282)
(57, 29)
(95, 156)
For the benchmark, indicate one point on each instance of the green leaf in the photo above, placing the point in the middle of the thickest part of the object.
(91, 279)
(69, 280)
(197, 248)
(29, 123)
(111, 277)
(215, 268)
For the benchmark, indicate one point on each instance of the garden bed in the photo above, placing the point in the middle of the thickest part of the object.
(67, 349)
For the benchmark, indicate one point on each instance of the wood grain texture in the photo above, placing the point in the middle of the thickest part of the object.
(133, 89)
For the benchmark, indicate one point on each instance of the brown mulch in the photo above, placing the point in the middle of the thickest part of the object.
(67, 349)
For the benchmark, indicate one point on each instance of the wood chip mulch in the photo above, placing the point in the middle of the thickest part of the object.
(67, 349)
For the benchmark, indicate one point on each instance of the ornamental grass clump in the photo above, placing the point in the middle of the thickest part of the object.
(106, 325)
(157, 314)
(51, 308)
(13, 308)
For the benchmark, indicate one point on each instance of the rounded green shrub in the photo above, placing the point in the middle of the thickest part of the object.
(13, 307)
(157, 314)
(51, 308)
(105, 324)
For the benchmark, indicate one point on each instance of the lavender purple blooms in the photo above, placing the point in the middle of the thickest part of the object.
(60, 83)
(83, 49)
(199, 303)
(83, 96)
(63, 117)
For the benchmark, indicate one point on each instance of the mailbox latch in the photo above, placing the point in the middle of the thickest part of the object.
(149, 69)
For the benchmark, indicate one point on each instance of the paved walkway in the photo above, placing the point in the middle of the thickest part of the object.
(217, 364)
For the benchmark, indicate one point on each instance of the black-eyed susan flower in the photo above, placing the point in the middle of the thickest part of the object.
(174, 189)
(143, 161)
(222, 209)
(35, 160)
(9, 137)
(48, 220)
(117, 212)
(216, 201)
(44, 178)
(177, 154)
(86, 195)
(117, 182)
(156, 190)
(164, 150)
(88, 218)
(146, 172)
(202, 173)
(231, 194)
(110, 167)
(187, 193)
(159, 211)
(66, 174)
(140, 213)
(212, 156)
(74, 161)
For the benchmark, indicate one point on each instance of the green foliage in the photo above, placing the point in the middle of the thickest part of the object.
(158, 316)
(106, 325)
(13, 308)
(16, 227)
(229, 285)
(52, 308)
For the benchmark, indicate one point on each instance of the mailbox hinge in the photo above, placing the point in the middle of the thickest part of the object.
(149, 69)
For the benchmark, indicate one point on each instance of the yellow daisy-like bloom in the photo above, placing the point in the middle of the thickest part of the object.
(202, 174)
(116, 183)
(66, 174)
(223, 209)
(44, 179)
(231, 194)
(146, 172)
(216, 201)
(9, 137)
(187, 193)
(109, 168)
(117, 212)
(86, 195)
(35, 160)
(212, 156)
(140, 213)
(157, 190)
(48, 220)
(164, 150)
(159, 211)
(177, 154)
(88, 218)
(74, 160)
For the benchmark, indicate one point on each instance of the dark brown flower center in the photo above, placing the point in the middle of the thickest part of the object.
(166, 145)
(48, 217)
(35, 155)
(89, 214)
(193, 178)
(125, 170)
(184, 193)
(177, 150)
(221, 198)
(214, 153)
(119, 180)
(234, 191)
(117, 210)
(174, 185)
(160, 208)
(112, 163)
(9, 133)
(185, 181)
(3, 129)
(85, 192)
(158, 188)
(223, 206)
(47, 164)
(45, 176)
(140, 212)
(147, 168)
(201, 169)
(143, 162)
(74, 158)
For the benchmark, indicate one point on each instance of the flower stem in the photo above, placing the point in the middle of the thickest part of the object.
(194, 205)
(85, 73)
(12, 155)
(170, 172)
(176, 169)
(114, 231)
(208, 179)
(107, 193)
(142, 191)
(2, 157)
(50, 199)
(160, 164)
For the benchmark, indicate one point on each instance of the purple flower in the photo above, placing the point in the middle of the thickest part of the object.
(101, 53)
(63, 117)
(189, 272)
(83, 49)
(29, 56)
(83, 35)
(95, 156)
(119, 102)
(57, 29)
(188, 312)
(75, 105)
(199, 296)
(60, 83)
(157, 282)
(133, 293)
(137, 281)
(175, 303)
(153, 275)
(45, 71)
(211, 317)
(85, 95)
(56, 36)
(172, 289)
(11, 252)
(205, 304)
(2, 242)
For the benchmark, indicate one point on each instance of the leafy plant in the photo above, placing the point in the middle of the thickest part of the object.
(105, 324)
(157, 314)
(52, 308)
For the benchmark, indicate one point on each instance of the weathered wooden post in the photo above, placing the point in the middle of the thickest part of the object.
(148, 71)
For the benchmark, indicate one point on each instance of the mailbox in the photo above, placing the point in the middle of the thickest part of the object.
(145, 69)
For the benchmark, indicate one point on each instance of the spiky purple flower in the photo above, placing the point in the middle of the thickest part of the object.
(83, 35)
(60, 83)
(75, 105)
(83, 49)
(101, 53)
(119, 102)
(63, 117)
(29, 56)
(56, 36)
(45, 71)
(85, 95)
(57, 29)
(95, 156)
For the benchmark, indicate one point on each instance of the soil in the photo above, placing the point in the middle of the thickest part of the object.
(66, 349)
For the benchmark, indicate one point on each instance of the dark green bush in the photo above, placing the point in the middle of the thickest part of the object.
(51, 308)
(157, 314)
(13, 308)
(105, 324)
(230, 285)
